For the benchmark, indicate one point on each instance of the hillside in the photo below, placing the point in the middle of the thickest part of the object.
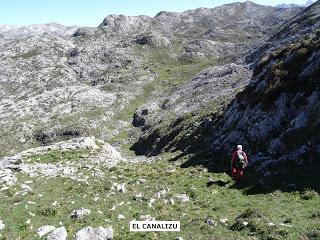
(137, 119)
(275, 115)
(56, 87)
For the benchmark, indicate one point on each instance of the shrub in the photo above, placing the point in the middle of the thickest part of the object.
(309, 194)
(47, 211)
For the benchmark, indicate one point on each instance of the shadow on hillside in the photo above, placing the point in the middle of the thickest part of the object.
(196, 144)
(219, 183)
(197, 153)
(297, 178)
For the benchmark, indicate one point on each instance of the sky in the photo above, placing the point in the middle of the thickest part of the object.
(92, 12)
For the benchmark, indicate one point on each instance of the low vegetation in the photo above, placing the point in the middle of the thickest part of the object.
(26, 55)
(215, 207)
(59, 156)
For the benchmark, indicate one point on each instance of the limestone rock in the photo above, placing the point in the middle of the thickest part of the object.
(210, 222)
(7, 178)
(2, 225)
(146, 218)
(58, 234)
(99, 233)
(44, 230)
(80, 213)
(183, 197)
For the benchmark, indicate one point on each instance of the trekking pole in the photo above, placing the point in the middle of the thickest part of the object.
(227, 166)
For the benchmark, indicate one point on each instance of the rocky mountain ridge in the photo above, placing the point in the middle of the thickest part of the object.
(17, 32)
(56, 88)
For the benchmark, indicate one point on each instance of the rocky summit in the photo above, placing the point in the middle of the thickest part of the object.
(137, 118)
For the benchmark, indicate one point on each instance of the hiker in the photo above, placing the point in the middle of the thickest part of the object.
(239, 162)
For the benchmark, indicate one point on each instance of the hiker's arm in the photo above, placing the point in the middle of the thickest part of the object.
(245, 157)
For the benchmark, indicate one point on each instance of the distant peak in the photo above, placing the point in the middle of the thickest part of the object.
(293, 5)
(310, 2)
(249, 3)
(246, 4)
(165, 14)
(287, 6)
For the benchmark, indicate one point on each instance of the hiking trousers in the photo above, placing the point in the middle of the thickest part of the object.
(237, 173)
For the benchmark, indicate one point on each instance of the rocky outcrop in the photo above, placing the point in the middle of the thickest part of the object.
(94, 153)
(154, 40)
(7, 178)
(125, 24)
(277, 115)
(108, 156)
(86, 143)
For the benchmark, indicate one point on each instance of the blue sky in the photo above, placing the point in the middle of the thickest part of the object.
(92, 12)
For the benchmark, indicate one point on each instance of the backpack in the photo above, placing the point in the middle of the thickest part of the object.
(240, 161)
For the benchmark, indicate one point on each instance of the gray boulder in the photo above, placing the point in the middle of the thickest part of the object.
(99, 233)
(7, 178)
(80, 213)
(58, 234)
(44, 230)
(2, 225)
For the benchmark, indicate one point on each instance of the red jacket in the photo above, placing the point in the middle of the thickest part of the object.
(234, 157)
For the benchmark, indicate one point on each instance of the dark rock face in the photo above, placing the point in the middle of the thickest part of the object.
(80, 33)
(138, 119)
(143, 116)
(142, 40)
(154, 40)
(46, 138)
(74, 53)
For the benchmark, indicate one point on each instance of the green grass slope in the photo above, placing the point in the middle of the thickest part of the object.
(276, 215)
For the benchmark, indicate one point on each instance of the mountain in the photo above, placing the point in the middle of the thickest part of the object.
(57, 86)
(310, 2)
(276, 114)
(292, 5)
(137, 118)
(16, 32)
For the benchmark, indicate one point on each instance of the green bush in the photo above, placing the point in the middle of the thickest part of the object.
(309, 194)
(47, 211)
